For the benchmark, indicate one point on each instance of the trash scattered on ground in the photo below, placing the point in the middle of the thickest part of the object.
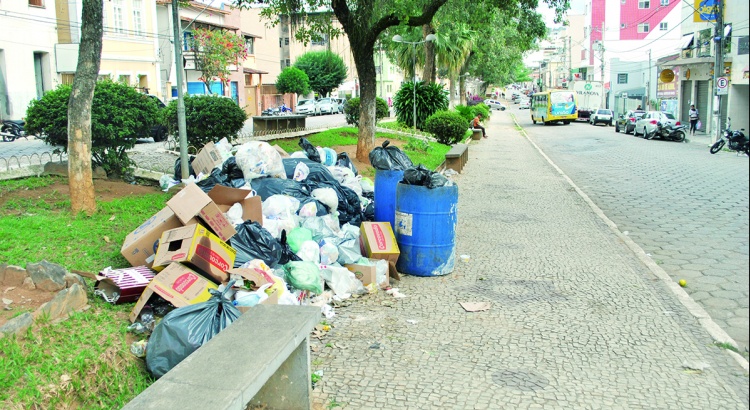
(395, 293)
(695, 365)
(465, 258)
(683, 282)
(475, 306)
(412, 321)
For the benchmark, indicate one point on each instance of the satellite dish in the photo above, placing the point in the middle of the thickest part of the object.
(666, 76)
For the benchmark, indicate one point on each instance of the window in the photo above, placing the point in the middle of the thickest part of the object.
(288, 62)
(250, 45)
(321, 41)
(663, 26)
(743, 45)
(583, 55)
(727, 38)
(187, 41)
(137, 17)
(286, 41)
(704, 43)
(664, 3)
(643, 28)
(644, 4)
(124, 79)
(38, 3)
(117, 11)
(622, 78)
(623, 26)
(389, 88)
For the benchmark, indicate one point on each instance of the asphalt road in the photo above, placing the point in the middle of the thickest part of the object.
(684, 207)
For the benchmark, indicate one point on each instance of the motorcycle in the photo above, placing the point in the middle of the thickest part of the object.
(281, 110)
(12, 130)
(668, 132)
(737, 141)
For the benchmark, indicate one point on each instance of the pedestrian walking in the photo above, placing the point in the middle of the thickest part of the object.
(477, 125)
(693, 114)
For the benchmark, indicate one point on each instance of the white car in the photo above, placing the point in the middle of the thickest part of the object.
(525, 104)
(307, 107)
(327, 106)
(495, 104)
(647, 124)
(602, 116)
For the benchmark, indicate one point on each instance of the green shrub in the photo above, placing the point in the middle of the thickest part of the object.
(208, 118)
(480, 108)
(430, 98)
(351, 110)
(119, 115)
(466, 112)
(448, 127)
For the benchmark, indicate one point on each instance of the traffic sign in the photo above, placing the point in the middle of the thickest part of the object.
(722, 86)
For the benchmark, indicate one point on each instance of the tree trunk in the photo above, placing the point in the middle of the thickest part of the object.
(80, 177)
(429, 74)
(365, 63)
(462, 90)
(452, 87)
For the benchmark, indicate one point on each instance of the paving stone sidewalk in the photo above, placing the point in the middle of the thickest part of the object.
(577, 320)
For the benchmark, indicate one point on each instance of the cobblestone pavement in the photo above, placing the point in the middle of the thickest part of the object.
(687, 208)
(577, 320)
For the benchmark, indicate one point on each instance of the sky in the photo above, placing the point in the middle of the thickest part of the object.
(576, 7)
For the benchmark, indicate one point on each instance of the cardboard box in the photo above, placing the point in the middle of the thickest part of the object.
(378, 241)
(140, 245)
(281, 151)
(199, 249)
(367, 274)
(224, 197)
(207, 159)
(179, 285)
(123, 285)
(192, 202)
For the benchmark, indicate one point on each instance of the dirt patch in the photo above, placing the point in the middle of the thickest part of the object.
(17, 300)
(105, 190)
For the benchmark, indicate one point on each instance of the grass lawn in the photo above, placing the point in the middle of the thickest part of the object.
(85, 361)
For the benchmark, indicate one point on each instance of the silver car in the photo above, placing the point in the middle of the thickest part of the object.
(495, 104)
(602, 116)
(307, 107)
(647, 123)
(327, 106)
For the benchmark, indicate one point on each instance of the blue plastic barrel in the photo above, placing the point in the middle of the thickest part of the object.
(385, 195)
(426, 229)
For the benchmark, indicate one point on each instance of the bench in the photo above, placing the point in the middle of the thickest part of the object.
(476, 134)
(457, 157)
(262, 359)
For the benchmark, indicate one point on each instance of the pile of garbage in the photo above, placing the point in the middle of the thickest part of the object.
(252, 225)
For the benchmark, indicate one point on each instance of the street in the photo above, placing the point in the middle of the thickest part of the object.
(684, 207)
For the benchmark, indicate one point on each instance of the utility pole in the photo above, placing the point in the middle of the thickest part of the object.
(718, 65)
(601, 60)
(179, 71)
(648, 83)
(570, 62)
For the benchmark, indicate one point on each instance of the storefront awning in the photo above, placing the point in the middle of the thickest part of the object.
(687, 41)
(253, 71)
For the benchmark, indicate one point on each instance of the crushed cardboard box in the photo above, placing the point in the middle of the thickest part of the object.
(178, 285)
(367, 274)
(207, 159)
(192, 202)
(224, 197)
(140, 245)
(123, 285)
(197, 248)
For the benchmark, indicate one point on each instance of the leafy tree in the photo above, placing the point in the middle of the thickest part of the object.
(430, 98)
(351, 110)
(364, 21)
(215, 50)
(119, 115)
(80, 173)
(324, 69)
(208, 119)
(292, 80)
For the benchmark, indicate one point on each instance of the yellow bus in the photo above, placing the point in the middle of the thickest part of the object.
(554, 106)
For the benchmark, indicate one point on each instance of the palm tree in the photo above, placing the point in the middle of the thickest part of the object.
(452, 49)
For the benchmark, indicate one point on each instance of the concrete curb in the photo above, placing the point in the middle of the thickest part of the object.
(696, 310)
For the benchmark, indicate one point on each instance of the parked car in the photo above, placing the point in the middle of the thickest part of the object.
(340, 102)
(158, 131)
(647, 123)
(327, 106)
(495, 104)
(602, 116)
(307, 107)
(626, 123)
(525, 104)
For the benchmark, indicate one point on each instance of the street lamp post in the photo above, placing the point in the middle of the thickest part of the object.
(398, 39)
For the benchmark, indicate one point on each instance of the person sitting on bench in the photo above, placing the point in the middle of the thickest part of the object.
(475, 124)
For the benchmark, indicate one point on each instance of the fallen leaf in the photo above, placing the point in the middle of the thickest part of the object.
(112, 218)
(475, 306)
(106, 239)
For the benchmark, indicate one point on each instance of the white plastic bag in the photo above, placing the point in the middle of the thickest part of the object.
(275, 226)
(309, 251)
(329, 252)
(225, 149)
(342, 281)
(259, 159)
(308, 210)
(327, 196)
(234, 214)
(280, 206)
(327, 156)
(301, 171)
(298, 154)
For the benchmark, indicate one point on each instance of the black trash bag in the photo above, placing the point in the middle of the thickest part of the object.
(231, 170)
(265, 187)
(252, 241)
(216, 178)
(234, 183)
(185, 329)
(369, 195)
(387, 158)
(350, 207)
(343, 160)
(310, 150)
(178, 168)
(417, 176)
(437, 180)
(318, 171)
(369, 213)
(287, 254)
